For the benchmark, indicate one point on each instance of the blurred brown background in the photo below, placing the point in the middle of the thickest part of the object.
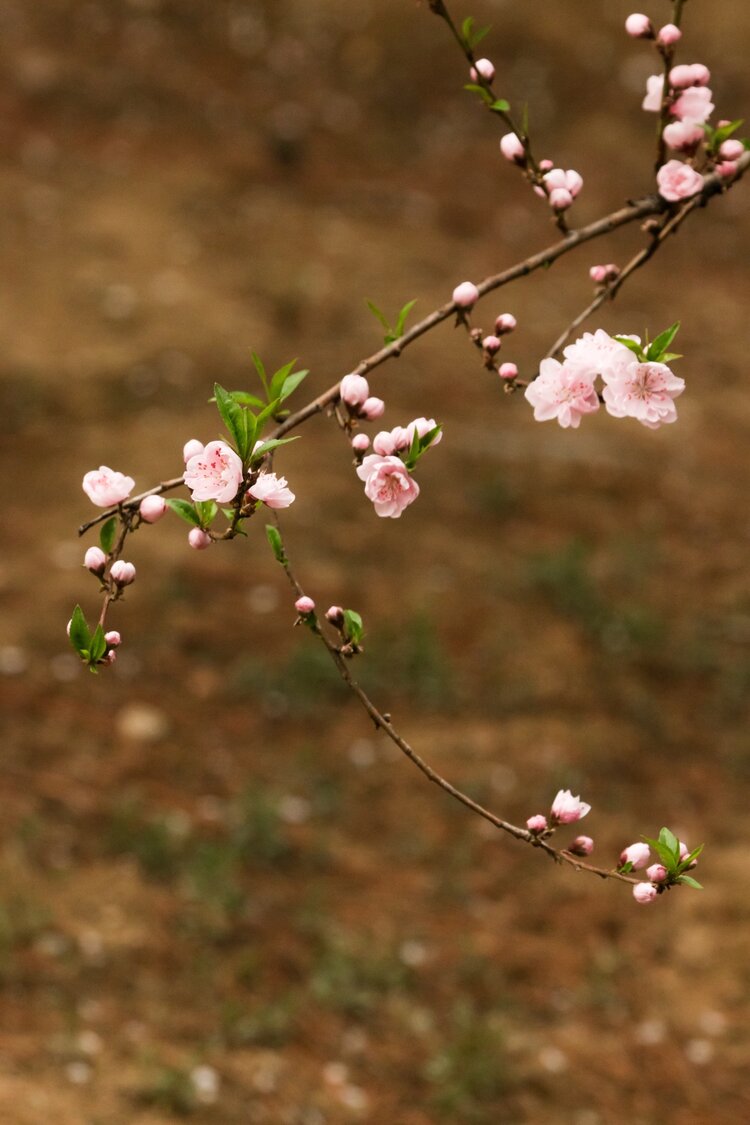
(222, 894)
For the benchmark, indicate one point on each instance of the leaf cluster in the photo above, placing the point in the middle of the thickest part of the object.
(667, 847)
(658, 350)
(90, 646)
(395, 332)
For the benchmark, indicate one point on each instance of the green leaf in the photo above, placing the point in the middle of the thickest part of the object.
(206, 510)
(267, 446)
(267, 412)
(470, 36)
(670, 841)
(378, 314)
(80, 637)
(107, 535)
(500, 106)
(290, 384)
(258, 362)
(689, 881)
(661, 343)
(278, 377)
(725, 131)
(625, 868)
(353, 626)
(244, 398)
(633, 345)
(274, 538)
(665, 854)
(401, 322)
(185, 510)
(98, 646)
(667, 357)
(235, 418)
(483, 92)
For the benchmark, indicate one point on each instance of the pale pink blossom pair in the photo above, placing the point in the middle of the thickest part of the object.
(215, 473)
(355, 392)
(105, 487)
(388, 484)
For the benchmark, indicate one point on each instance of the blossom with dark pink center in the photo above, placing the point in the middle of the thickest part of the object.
(645, 391)
(562, 391)
(388, 484)
(105, 487)
(272, 491)
(215, 473)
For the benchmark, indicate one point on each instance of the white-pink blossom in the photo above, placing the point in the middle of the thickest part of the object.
(683, 136)
(273, 491)
(95, 560)
(152, 508)
(639, 26)
(561, 391)
(512, 148)
(214, 474)
(566, 808)
(694, 104)
(689, 74)
(677, 181)
(645, 391)
(465, 295)
(507, 370)
(354, 390)
(654, 93)
(388, 484)
(645, 893)
(639, 854)
(484, 68)
(105, 487)
(597, 353)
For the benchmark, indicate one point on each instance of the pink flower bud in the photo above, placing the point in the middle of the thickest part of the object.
(684, 853)
(582, 845)
(122, 573)
(304, 605)
(113, 638)
(192, 448)
(354, 390)
(639, 26)
(512, 148)
(372, 408)
(491, 344)
(199, 539)
(335, 616)
(701, 74)
(727, 168)
(731, 149)
(152, 508)
(683, 136)
(505, 323)
(465, 295)
(645, 892)
(657, 872)
(360, 443)
(95, 560)
(560, 199)
(482, 68)
(546, 165)
(668, 35)
(537, 824)
(638, 854)
(566, 808)
(598, 274)
(689, 74)
(507, 371)
(109, 657)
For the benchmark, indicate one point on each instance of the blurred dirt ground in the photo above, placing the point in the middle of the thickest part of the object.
(223, 895)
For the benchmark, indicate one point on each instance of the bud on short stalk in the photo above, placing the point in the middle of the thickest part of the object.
(95, 560)
(537, 824)
(335, 616)
(482, 68)
(113, 638)
(199, 539)
(492, 344)
(636, 854)
(122, 573)
(354, 390)
(645, 892)
(152, 508)
(505, 323)
(668, 35)
(639, 26)
(512, 148)
(360, 443)
(582, 845)
(372, 409)
(507, 371)
(304, 605)
(465, 295)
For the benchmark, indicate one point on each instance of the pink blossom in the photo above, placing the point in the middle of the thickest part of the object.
(95, 560)
(422, 426)
(152, 508)
(645, 892)
(372, 408)
(582, 845)
(335, 616)
(560, 199)
(191, 449)
(199, 539)
(639, 26)
(537, 824)
(570, 181)
(507, 371)
(731, 149)
(645, 391)
(678, 181)
(693, 105)
(546, 164)
(122, 573)
(657, 872)
(638, 854)
(354, 390)
(561, 391)
(598, 353)
(684, 136)
(388, 484)
(465, 295)
(492, 344)
(654, 93)
(360, 443)
(689, 74)
(483, 68)
(272, 491)
(505, 323)
(390, 441)
(104, 487)
(603, 273)
(566, 808)
(726, 168)
(214, 474)
(113, 638)
(512, 148)
(668, 35)
(304, 604)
